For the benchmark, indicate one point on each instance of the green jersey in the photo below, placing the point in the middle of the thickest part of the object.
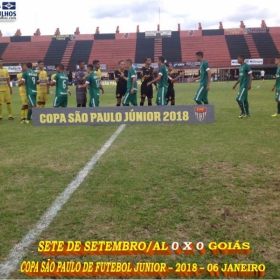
(278, 79)
(131, 74)
(93, 84)
(204, 68)
(163, 82)
(244, 71)
(61, 80)
(30, 78)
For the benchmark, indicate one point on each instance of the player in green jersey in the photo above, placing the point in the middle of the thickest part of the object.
(205, 79)
(92, 82)
(30, 79)
(162, 80)
(276, 87)
(61, 93)
(131, 88)
(245, 80)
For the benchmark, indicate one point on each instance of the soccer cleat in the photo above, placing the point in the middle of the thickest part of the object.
(11, 118)
(275, 115)
(22, 120)
(242, 116)
(27, 121)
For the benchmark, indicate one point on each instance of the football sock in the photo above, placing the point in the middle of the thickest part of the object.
(246, 105)
(118, 104)
(172, 102)
(198, 102)
(150, 104)
(79, 105)
(0, 110)
(25, 113)
(141, 104)
(84, 105)
(278, 107)
(43, 105)
(29, 114)
(241, 105)
(206, 103)
(9, 108)
(22, 113)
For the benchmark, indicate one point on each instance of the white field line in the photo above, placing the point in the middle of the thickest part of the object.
(18, 252)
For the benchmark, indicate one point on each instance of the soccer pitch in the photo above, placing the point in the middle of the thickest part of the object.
(209, 182)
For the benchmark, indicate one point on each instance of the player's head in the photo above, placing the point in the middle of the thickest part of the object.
(121, 64)
(23, 67)
(96, 64)
(128, 63)
(1, 61)
(241, 59)
(29, 65)
(199, 56)
(61, 68)
(148, 61)
(160, 60)
(89, 68)
(81, 64)
(40, 64)
(277, 60)
(169, 66)
(57, 68)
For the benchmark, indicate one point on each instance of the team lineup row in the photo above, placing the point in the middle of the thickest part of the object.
(34, 85)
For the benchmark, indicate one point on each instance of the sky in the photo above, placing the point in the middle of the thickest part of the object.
(108, 14)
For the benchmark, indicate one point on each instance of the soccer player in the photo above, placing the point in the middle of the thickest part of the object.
(262, 75)
(81, 93)
(121, 79)
(62, 91)
(147, 76)
(170, 96)
(276, 87)
(30, 79)
(245, 80)
(96, 65)
(22, 93)
(131, 89)
(92, 82)
(42, 87)
(162, 80)
(205, 79)
(5, 90)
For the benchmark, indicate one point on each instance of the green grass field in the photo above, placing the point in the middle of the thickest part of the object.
(209, 182)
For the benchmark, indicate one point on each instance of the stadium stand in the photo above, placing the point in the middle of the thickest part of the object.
(55, 52)
(171, 47)
(251, 45)
(216, 51)
(276, 40)
(265, 45)
(237, 45)
(125, 47)
(158, 48)
(68, 53)
(144, 48)
(189, 46)
(25, 51)
(3, 47)
(81, 51)
(102, 50)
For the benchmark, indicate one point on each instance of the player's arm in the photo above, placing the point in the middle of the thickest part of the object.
(250, 73)
(68, 90)
(22, 80)
(181, 75)
(209, 79)
(101, 87)
(157, 79)
(8, 82)
(133, 84)
(123, 76)
(116, 78)
(237, 82)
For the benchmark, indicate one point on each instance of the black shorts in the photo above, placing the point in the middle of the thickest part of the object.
(262, 77)
(120, 91)
(146, 91)
(170, 96)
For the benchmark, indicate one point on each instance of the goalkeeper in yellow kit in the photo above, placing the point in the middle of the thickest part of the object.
(42, 87)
